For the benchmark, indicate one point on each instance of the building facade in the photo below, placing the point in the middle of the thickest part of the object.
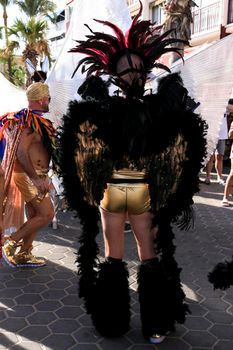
(212, 20)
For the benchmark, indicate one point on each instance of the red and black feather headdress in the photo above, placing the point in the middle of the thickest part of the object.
(104, 50)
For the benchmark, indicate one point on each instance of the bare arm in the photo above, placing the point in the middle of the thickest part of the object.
(24, 159)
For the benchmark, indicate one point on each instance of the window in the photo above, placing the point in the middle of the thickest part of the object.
(157, 14)
(60, 16)
(230, 12)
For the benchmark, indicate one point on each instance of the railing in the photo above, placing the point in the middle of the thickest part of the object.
(206, 18)
(131, 2)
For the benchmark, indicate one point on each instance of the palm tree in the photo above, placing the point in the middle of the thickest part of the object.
(37, 8)
(32, 33)
(4, 4)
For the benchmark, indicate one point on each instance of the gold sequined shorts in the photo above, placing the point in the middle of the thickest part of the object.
(26, 186)
(120, 198)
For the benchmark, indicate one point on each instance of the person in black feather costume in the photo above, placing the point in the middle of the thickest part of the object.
(130, 155)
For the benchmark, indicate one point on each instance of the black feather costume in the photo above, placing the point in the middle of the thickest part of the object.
(159, 133)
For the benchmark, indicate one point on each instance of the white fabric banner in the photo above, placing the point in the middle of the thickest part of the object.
(62, 87)
(208, 76)
(12, 98)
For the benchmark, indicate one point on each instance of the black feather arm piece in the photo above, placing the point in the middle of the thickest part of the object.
(180, 162)
(74, 192)
(222, 275)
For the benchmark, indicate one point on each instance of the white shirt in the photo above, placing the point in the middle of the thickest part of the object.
(223, 132)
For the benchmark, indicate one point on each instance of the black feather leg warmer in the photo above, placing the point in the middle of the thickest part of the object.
(111, 311)
(160, 298)
(222, 275)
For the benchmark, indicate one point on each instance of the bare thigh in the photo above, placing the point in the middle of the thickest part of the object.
(144, 234)
(113, 233)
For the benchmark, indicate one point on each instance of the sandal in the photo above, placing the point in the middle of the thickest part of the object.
(225, 203)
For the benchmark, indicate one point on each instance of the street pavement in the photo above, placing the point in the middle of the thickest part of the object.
(40, 309)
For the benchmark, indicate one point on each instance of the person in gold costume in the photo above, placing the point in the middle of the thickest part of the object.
(25, 162)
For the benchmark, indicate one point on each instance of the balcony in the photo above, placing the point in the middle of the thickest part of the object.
(206, 19)
(132, 2)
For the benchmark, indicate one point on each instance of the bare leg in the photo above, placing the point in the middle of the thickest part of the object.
(209, 167)
(218, 166)
(27, 242)
(113, 233)
(144, 235)
(43, 214)
(229, 183)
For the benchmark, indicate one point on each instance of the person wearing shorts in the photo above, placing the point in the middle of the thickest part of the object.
(217, 156)
(229, 181)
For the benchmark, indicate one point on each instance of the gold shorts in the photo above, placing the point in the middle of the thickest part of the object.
(131, 198)
(26, 186)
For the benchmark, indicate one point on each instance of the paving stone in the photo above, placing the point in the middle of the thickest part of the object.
(48, 305)
(2, 315)
(11, 293)
(35, 288)
(197, 310)
(85, 320)
(53, 294)
(20, 311)
(13, 324)
(199, 338)
(17, 283)
(28, 299)
(215, 304)
(35, 333)
(114, 344)
(59, 284)
(61, 275)
(6, 303)
(224, 345)
(173, 344)
(72, 300)
(41, 318)
(222, 331)
(86, 335)
(64, 326)
(59, 342)
(69, 312)
(197, 323)
(219, 317)
(85, 347)
(43, 279)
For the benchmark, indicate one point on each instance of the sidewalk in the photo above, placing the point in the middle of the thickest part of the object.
(40, 309)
